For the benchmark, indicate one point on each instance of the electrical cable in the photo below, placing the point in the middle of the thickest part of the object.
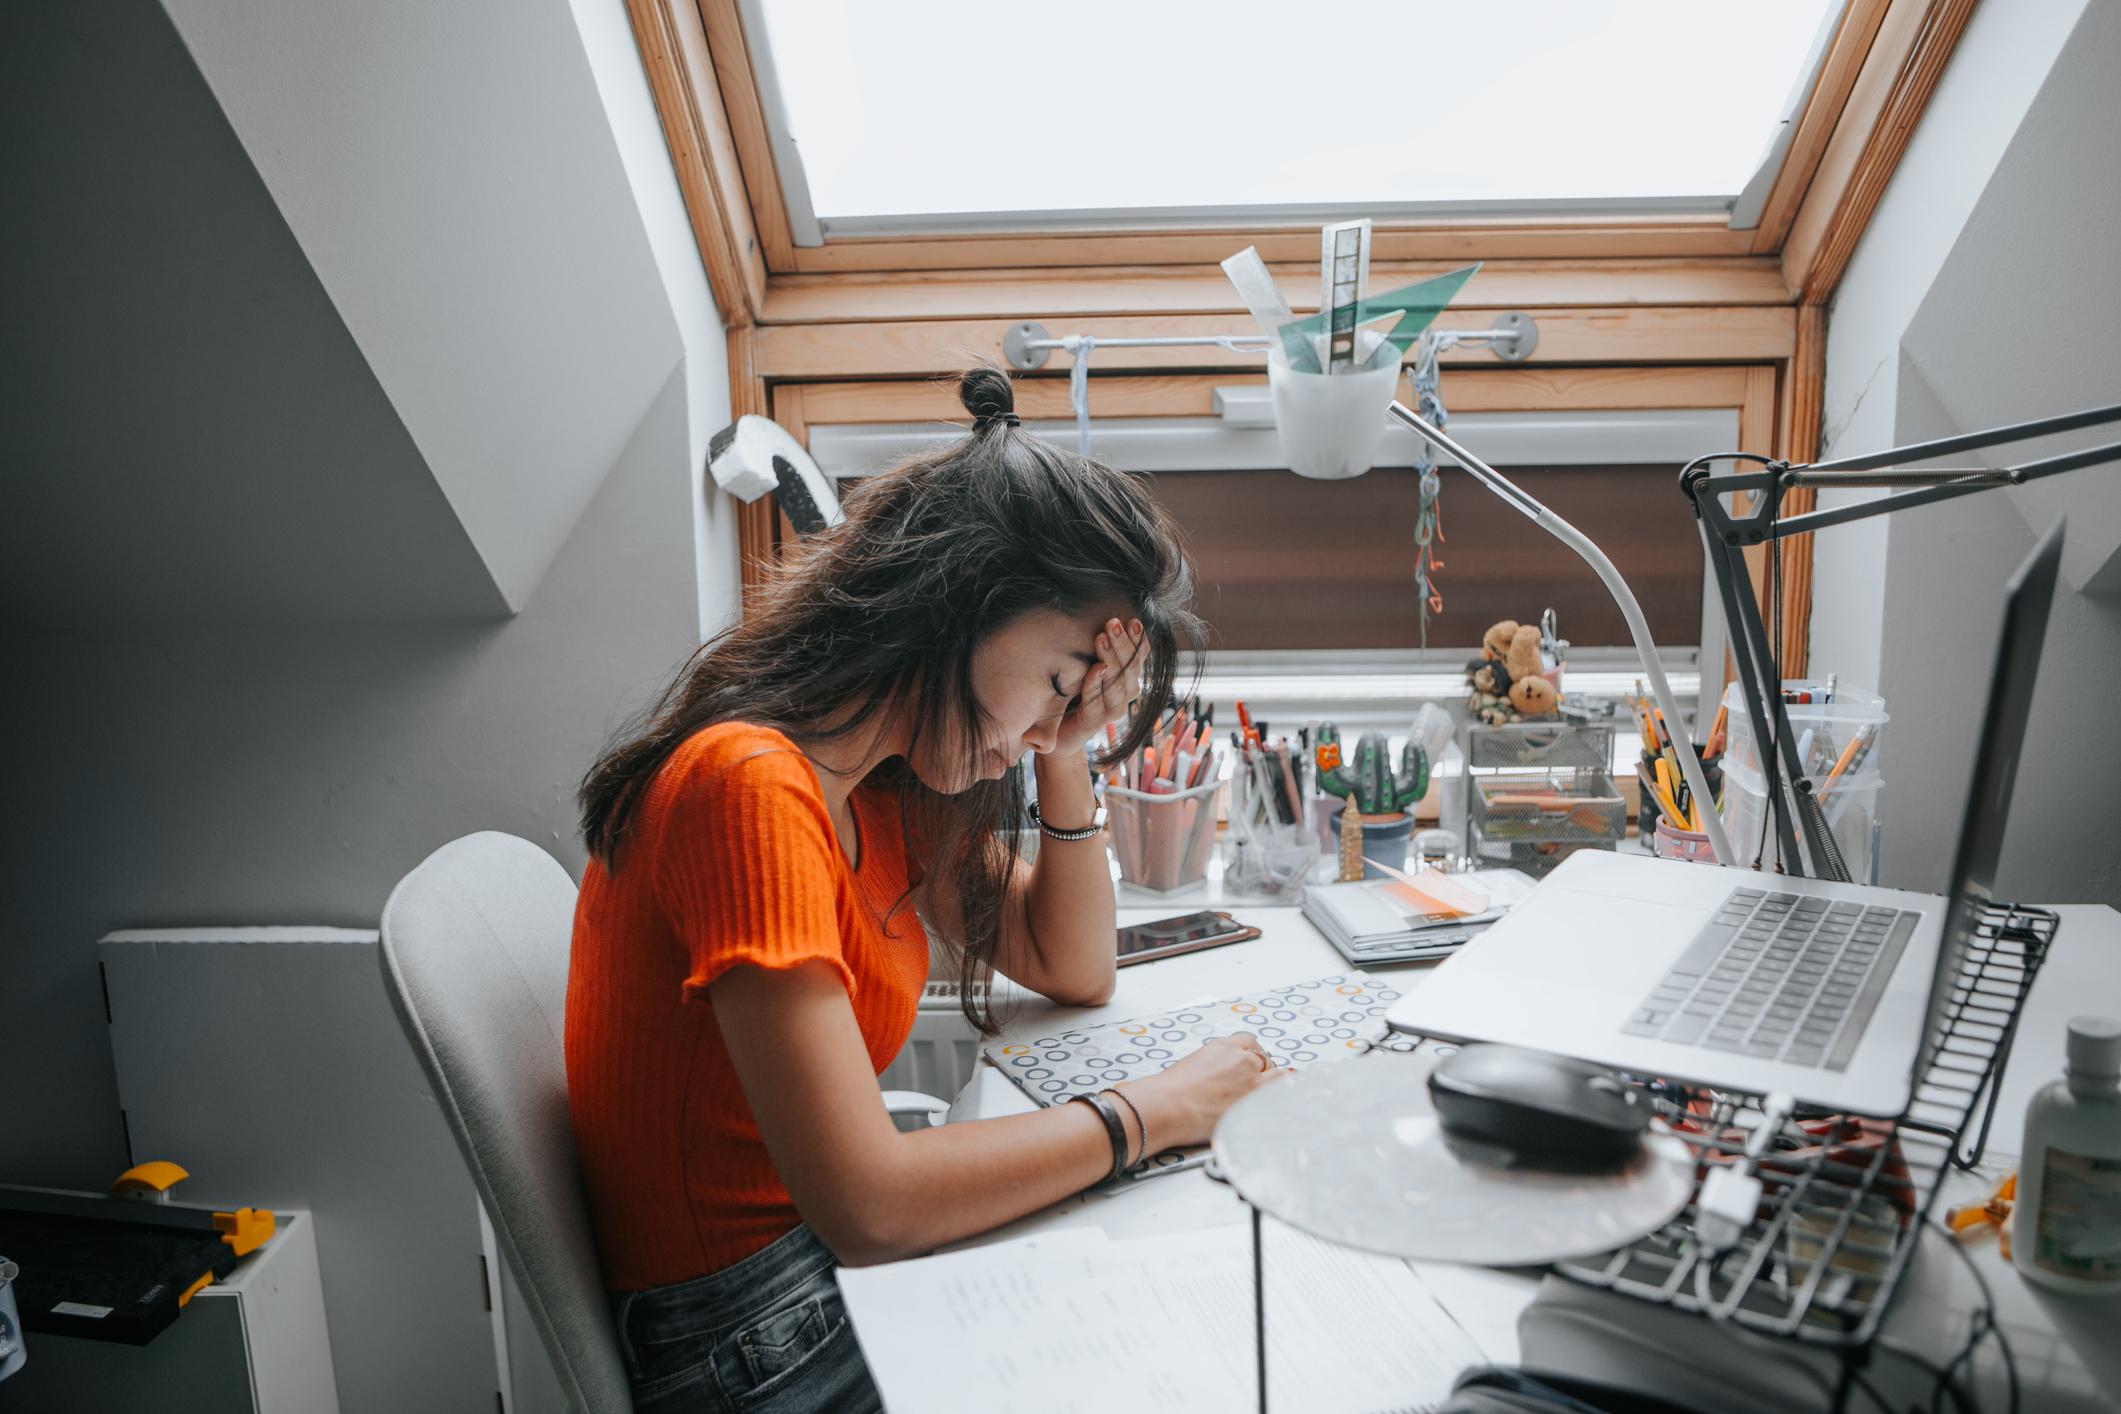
(1988, 1296)
(1941, 1378)
(1981, 1324)
(1759, 1342)
(1872, 1390)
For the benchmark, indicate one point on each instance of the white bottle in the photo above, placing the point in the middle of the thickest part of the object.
(2066, 1218)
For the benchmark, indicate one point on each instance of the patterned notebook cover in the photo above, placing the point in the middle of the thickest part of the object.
(1329, 1019)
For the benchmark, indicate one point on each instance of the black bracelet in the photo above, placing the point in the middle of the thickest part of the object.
(1113, 1128)
(1091, 831)
(1121, 1096)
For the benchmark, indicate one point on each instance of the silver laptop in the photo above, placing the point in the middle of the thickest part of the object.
(1835, 993)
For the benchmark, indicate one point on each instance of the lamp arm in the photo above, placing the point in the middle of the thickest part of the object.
(1653, 667)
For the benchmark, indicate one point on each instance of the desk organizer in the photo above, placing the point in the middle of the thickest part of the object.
(1570, 765)
(1163, 841)
(1846, 1199)
(1847, 732)
(1578, 807)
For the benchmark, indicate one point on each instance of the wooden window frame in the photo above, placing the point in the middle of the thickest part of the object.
(1614, 296)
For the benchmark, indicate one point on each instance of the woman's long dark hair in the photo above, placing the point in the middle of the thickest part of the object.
(885, 611)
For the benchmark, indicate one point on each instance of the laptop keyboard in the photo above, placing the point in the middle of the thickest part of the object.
(1781, 976)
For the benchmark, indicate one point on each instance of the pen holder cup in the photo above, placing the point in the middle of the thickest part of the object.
(1162, 841)
(1849, 802)
(1822, 731)
(1647, 811)
(1331, 424)
(1257, 868)
(1670, 842)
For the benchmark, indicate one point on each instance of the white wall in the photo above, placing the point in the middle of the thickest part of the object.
(190, 431)
(2002, 59)
(2007, 320)
(490, 278)
(453, 178)
(607, 36)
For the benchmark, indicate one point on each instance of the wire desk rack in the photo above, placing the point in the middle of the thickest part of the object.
(1845, 1200)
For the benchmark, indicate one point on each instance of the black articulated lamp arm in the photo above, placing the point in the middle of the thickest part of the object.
(1724, 538)
(1726, 535)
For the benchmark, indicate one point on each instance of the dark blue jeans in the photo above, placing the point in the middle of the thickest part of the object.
(769, 1335)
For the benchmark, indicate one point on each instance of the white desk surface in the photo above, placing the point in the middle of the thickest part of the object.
(2068, 1352)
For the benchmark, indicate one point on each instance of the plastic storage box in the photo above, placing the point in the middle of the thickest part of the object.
(1848, 733)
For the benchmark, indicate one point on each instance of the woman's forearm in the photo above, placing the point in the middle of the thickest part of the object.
(1068, 905)
(871, 1193)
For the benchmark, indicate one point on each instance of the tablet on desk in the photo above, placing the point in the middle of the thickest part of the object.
(1167, 937)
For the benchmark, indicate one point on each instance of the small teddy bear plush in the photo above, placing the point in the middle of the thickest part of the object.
(1507, 679)
(1534, 696)
(1489, 675)
(1522, 656)
(1495, 643)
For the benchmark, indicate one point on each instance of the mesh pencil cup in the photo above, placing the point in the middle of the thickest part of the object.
(1163, 841)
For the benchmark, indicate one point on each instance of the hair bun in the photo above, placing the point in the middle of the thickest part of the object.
(987, 392)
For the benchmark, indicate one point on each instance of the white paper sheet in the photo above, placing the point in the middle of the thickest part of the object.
(1486, 1304)
(1072, 1327)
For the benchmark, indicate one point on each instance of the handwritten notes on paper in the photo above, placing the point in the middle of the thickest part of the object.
(1071, 1323)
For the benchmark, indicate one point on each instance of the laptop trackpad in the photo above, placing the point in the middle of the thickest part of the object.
(1559, 937)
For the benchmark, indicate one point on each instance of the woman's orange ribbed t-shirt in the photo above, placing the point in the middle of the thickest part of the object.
(731, 860)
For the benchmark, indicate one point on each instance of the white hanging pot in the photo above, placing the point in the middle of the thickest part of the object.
(1331, 424)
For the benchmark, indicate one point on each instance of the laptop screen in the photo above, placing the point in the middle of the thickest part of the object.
(2027, 597)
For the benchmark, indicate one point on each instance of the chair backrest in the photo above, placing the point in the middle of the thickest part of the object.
(475, 945)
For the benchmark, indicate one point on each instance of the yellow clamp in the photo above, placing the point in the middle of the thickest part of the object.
(1971, 1220)
(246, 1229)
(158, 1176)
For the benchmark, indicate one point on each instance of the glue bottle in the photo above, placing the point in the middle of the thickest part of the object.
(2066, 1220)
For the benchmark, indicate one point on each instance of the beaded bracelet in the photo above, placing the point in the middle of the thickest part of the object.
(1113, 1129)
(1090, 831)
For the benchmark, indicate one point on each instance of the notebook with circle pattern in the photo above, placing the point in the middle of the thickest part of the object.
(1329, 1019)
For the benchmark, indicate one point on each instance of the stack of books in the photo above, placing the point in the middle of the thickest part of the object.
(1412, 917)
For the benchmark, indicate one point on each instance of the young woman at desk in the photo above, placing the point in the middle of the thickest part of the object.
(747, 955)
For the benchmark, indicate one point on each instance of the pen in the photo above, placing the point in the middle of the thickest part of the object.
(1288, 782)
(1852, 757)
(1196, 1161)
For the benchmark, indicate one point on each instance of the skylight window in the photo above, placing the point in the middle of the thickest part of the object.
(939, 108)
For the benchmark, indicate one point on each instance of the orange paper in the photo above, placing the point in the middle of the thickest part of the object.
(1433, 892)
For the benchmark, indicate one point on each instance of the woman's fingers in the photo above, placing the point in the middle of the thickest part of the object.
(1127, 645)
(1108, 689)
(1255, 1053)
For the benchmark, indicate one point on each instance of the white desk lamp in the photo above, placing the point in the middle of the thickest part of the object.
(1638, 627)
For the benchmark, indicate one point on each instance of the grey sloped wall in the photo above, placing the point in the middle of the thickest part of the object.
(2018, 324)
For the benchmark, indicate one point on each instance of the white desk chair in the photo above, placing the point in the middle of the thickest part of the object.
(475, 948)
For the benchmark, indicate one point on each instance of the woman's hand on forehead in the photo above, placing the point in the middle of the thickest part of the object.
(1110, 683)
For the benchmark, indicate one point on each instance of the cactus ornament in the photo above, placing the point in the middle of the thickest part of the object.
(1366, 779)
